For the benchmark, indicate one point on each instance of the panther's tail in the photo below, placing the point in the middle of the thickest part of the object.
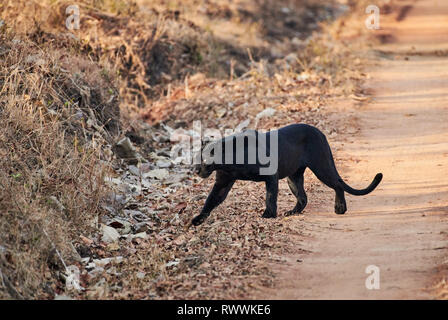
(365, 191)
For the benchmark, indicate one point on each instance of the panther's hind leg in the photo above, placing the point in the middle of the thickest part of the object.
(329, 177)
(340, 205)
(325, 170)
(295, 183)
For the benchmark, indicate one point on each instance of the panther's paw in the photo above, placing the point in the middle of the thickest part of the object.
(340, 208)
(292, 212)
(198, 220)
(269, 214)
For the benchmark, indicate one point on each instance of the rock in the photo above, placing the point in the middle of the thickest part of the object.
(163, 164)
(140, 275)
(85, 260)
(220, 112)
(157, 173)
(105, 261)
(90, 266)
(146, 184)
(125, 150)
(141, 235)
(134, 170)
(122, 226)
(109, 234)
(145, 167)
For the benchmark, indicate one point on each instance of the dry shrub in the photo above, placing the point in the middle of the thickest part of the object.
(157, 44)
(54, 122)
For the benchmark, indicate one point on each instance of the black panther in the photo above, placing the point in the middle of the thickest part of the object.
(298, 146)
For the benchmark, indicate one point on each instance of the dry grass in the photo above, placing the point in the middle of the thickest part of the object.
(155, 45)
(53, 117)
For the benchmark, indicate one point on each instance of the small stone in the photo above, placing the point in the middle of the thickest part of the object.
(141, 235)
(134, 170)
(157, 173)
(163, 164)
(85, 260)
(109, 234)
(105, 261)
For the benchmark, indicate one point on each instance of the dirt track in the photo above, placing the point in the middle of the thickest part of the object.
(401, 226)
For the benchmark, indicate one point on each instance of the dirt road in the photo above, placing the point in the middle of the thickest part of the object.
(402, 226)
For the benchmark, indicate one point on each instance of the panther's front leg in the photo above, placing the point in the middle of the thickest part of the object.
(271, 197)
(218, 194)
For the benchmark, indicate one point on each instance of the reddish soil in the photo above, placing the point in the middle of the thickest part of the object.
(403, 133)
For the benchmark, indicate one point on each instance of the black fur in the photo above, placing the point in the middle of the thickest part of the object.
(300, 146)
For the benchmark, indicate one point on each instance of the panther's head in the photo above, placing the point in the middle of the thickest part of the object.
(203, 169)
(207, 165)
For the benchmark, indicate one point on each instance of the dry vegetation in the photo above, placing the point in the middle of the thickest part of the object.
(168, 63)
(51, 168)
